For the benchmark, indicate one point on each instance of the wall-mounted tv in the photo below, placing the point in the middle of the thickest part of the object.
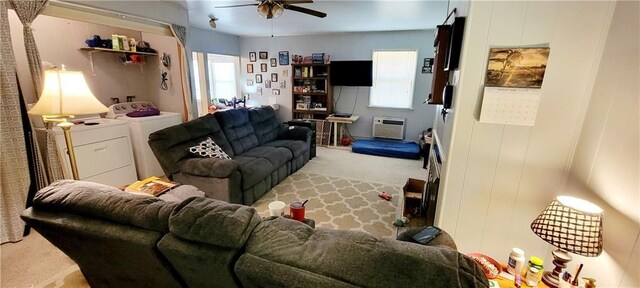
(352, 73)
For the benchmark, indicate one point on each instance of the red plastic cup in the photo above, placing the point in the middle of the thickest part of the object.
(296, 211)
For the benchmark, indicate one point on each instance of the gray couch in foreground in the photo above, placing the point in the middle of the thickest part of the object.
(263, 153)
(120, 239)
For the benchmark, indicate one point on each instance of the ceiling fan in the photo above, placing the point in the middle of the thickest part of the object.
(273, 8)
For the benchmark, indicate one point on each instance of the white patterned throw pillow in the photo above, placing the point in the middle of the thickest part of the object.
(210, 149)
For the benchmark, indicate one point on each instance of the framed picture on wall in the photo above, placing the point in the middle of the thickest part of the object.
(275, 91)
(283, 57)
(252, 56)
(263, 67)
(283, 84)
(249, 82)
(264, 55)
(250, 68)
(267, 84)
(273, 62)
(274, 77)
(258, 78)
(259, 90)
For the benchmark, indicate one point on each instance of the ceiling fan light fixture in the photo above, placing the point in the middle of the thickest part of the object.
(270, 10)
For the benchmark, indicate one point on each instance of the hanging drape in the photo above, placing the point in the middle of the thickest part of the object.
(180, 32)
(14, 176)
(27, 11)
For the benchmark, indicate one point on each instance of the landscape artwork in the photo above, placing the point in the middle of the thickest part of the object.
(516, 67)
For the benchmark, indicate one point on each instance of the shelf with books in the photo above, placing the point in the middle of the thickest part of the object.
(312, 94)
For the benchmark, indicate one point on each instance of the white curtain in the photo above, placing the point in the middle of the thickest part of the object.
(14, 179)
(180, 32)
(27, 11)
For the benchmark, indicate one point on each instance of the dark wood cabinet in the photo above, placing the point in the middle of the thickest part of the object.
(440, 76)
(311, 91)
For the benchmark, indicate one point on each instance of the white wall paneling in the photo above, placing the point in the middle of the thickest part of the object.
(605, 166)
(498, 178)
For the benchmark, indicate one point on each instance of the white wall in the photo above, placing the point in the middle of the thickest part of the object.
(498, 178)
(210, 41)
(59, 42)
(164, 11)
(348, 46)
(606, 164)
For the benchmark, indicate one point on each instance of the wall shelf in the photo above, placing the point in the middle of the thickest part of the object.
(93, 50)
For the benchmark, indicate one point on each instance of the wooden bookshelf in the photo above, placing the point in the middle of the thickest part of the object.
(311, 85)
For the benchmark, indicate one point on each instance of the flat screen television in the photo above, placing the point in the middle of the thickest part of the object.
(352, 73)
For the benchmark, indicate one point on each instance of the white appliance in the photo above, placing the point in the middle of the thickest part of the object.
(103, 151)
(140, 128)
(388, 127)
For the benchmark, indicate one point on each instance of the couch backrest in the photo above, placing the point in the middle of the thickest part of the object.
(111, 234)
(265, 123)
(338, 258)
(238, 130)
(207, 237)
(170, 144)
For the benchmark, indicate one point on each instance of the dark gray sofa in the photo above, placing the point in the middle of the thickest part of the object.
(263, 153)
(124, 240)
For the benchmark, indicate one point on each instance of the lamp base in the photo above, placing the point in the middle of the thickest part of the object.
(560, 259)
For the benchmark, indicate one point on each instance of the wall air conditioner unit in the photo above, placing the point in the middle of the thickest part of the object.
(388, 127)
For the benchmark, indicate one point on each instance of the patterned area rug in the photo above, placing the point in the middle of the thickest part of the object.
(338, 203)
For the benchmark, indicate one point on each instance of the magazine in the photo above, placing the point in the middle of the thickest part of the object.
(152, 186)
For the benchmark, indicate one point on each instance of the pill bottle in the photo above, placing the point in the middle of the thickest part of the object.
(536, 270)
(516, 261)
(532, 278)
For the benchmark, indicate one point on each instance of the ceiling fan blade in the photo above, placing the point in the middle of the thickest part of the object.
(304, 10)
(240, 5)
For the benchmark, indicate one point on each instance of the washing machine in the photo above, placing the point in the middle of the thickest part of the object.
(140, 127)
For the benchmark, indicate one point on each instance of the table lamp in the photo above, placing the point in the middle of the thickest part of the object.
(66, 94)
(572, 225)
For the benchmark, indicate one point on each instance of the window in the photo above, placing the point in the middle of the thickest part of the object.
(394, 74)
(200, 87)
(222, 76)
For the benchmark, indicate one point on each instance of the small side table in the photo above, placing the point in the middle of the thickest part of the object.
(336, 121)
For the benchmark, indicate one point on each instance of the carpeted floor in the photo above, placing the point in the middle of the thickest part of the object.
(341, 186)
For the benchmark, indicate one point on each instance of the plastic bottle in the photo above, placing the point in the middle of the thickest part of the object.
(532, 277)
(516, 261)
(534, 272)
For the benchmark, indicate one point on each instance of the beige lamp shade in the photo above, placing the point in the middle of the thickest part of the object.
(66, 93)
(571, 224)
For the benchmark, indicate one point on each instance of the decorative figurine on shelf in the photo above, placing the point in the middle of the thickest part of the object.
(132, 44)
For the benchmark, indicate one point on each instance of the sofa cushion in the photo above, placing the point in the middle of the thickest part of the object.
(265, 123)
(297, 148)
(276, 155)
(214, 222)
(170, 145)
(253, 170)
(93, 200)
(237, 129)
(340, 254)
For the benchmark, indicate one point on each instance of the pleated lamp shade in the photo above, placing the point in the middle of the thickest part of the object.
(66, 93)
(571, 224)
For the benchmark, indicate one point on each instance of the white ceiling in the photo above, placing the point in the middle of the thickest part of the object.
(342, 16)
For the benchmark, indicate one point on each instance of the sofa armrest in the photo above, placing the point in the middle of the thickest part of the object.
(208, 167)
(295, 133)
